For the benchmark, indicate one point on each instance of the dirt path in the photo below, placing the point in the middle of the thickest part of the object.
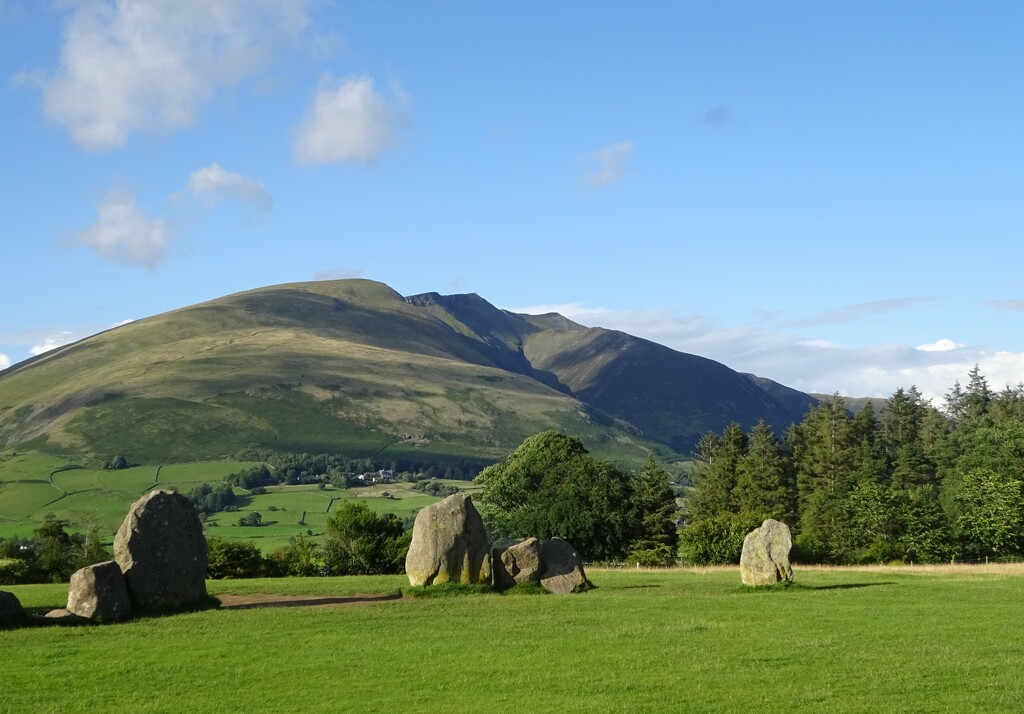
(248, 602)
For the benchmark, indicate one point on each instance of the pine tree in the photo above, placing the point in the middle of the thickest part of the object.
(763, 482)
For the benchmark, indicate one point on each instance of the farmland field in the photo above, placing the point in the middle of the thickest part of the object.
(34, 485)
(676, 641)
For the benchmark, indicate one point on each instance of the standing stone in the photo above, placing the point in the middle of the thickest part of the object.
(162, 552)
(98, 592)
(516, 563)
(449, 544)
(562, 568)
(11, 612)
(765, 557)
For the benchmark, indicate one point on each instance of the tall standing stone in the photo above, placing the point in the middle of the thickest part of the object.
(98, 592)
(449, 544)
(765, 556)
(161, 550)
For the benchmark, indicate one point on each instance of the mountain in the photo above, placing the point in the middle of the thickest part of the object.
(351, 366)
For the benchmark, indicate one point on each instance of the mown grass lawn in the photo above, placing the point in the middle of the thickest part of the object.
(675, 641)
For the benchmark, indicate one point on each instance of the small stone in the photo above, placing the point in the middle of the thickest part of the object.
(11, 611)
(765, 556)
(562, 571)
(98, 592)
(516, 563)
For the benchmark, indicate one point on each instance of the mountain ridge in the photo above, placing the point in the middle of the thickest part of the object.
(353, 365)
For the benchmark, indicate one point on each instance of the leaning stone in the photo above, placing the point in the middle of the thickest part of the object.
(765, 556)
(562, 568)
(99, 593)
(449, 544)
(11, 611)
(516, 563)
(161, 550)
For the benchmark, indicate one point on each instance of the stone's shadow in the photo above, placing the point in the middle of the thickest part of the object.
(846, 586)
(638, 587)
(233, 602)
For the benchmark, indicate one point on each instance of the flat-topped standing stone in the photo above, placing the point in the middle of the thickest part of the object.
(449, 544)
(161, 550)
(516, 563)
(765, 556)
(99, 593)
(562, 567)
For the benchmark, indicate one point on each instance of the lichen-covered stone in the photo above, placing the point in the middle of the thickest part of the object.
(99, 593)
(449, 544)
(161, 550)
(561, 567)
(765, 556)
(11, 612)
(516, 563)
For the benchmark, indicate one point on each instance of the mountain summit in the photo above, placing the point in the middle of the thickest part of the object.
(351, 366)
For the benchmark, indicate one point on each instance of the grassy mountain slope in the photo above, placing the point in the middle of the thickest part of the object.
(345, 366)
(351, 366)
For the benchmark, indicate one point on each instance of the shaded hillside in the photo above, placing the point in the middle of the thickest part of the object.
(352, 366)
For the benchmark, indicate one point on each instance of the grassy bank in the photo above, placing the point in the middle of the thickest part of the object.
(844, 640)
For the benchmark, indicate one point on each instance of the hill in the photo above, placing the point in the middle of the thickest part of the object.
(351, 366)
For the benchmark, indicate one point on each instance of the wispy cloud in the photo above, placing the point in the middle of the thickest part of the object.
(213, 184)
(338, 274)
(1010, 305)
(717, 116)
(150, 66)
(39, 341)
(607, 165)
(804, 362)
(10, 10)
(348, 121)
(123, 233)
(859, 311)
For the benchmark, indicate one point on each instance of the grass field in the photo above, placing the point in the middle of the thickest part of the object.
(678, 641)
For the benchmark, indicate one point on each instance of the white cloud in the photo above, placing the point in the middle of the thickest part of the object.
(214, 184)
(5, 361)
(608, 164)
(943, 345)
(123, 233)
(149, 66)
(806, 363)
(59, 340)
(348, 121)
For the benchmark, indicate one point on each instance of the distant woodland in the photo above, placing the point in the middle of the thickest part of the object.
(899, 480)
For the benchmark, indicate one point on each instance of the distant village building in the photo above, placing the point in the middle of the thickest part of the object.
(382, 476)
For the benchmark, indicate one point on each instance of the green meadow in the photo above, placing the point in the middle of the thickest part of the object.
(674, 641)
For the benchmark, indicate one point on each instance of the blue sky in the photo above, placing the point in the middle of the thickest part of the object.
(826, 194)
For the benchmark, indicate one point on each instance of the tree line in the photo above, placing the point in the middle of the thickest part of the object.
(905, 482)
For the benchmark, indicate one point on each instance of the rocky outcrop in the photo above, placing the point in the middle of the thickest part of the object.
(99, 593)
(449, 544)
(161, 550)
(765, 556)
(11, 612)
(516, 563)
(561, 568)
